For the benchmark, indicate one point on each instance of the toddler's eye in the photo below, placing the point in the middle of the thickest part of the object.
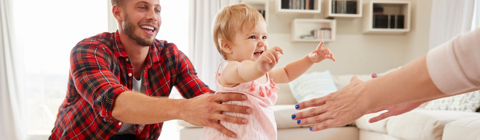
(252, 37)
(264, 37)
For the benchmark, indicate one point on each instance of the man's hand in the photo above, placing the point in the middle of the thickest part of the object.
(269, 59)
(319, 54)
(206, 110)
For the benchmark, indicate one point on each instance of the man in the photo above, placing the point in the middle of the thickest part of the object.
(119, 83)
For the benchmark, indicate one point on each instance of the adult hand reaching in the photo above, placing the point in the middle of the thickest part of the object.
(206, 110)
(336, 109)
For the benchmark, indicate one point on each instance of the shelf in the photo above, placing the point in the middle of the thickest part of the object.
(389, 8)
(305, 26)
(260, 6)
(316, 7)
(328, 6)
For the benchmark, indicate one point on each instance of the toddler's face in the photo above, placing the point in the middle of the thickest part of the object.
(249, 43)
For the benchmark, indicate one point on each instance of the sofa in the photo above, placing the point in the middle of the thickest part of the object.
(419, 124)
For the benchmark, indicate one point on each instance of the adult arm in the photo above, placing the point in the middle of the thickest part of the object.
(425, 78)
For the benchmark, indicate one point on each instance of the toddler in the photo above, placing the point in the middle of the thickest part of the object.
(240, 36)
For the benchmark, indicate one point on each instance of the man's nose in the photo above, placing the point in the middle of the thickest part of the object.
(151, 15)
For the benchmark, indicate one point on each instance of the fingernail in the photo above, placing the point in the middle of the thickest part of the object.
(311, 128)
(297, 106)
(249, 110)
(375, 74)
(298, 121)
(244, 121)
(234, 136)
(244, 97)
(294, 116)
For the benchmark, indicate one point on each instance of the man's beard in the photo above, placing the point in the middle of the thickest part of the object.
(129, 29)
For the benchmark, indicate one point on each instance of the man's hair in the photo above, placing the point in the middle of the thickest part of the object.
(231, 19)
(118, 2)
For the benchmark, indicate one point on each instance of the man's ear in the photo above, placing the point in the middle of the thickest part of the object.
(226, 46)
(117, 12)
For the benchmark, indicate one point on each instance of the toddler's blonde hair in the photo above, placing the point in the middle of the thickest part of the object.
(230, 19)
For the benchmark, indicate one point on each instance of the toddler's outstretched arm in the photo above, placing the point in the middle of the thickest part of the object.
(240, 72)
(293, 70)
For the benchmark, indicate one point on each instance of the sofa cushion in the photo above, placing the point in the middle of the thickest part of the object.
(312, 85)
(463, 129)
(285, 96)
(462, 102)
(343, 80)
(423, 124)
(283, 116)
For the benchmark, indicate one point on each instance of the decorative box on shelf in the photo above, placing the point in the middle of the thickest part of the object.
(386, 17)
(298, 6)
(260, 5)
(343, 8)
(313, 30)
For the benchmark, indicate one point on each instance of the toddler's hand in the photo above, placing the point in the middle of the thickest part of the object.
(269, 59)
(320, 54)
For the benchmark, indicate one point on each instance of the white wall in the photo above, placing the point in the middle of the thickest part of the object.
(418, 37)
(356, 53)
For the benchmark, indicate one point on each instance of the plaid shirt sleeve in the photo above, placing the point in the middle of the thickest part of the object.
(94, 80)
(187, 81)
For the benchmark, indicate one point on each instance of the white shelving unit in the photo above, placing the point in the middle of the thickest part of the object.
(317, 6)
(305, 26)
(259, 5)
(389, 8)
(328, 6)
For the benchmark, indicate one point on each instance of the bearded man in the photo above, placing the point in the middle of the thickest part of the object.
(119, 83)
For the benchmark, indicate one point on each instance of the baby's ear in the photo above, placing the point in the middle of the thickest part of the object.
(226, 45)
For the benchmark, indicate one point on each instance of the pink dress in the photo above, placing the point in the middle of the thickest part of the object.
(261, 122)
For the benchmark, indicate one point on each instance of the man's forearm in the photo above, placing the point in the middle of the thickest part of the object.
(138, 108)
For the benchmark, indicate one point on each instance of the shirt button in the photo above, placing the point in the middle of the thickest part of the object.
(126, 59)
(120, 123)
(130, 74)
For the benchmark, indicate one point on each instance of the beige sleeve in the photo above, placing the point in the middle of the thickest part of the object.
(455, 65)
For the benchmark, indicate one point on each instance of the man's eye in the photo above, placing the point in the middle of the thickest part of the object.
(143, 7)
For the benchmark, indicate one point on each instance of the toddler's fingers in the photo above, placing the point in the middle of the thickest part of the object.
(319, 47)
(278, 49)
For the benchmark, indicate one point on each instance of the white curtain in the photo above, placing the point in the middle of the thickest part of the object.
(449, 18)
(11, 127)
(204, 55)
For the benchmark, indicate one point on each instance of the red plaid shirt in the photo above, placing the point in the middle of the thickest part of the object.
(100, 71)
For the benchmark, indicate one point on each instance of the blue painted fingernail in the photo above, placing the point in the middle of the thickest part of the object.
(311, 128)
(375, 74)
(297, 106)
(298, 121)
(294, 116)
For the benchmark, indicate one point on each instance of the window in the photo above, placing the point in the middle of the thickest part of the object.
(48, 30)
(476, 16)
